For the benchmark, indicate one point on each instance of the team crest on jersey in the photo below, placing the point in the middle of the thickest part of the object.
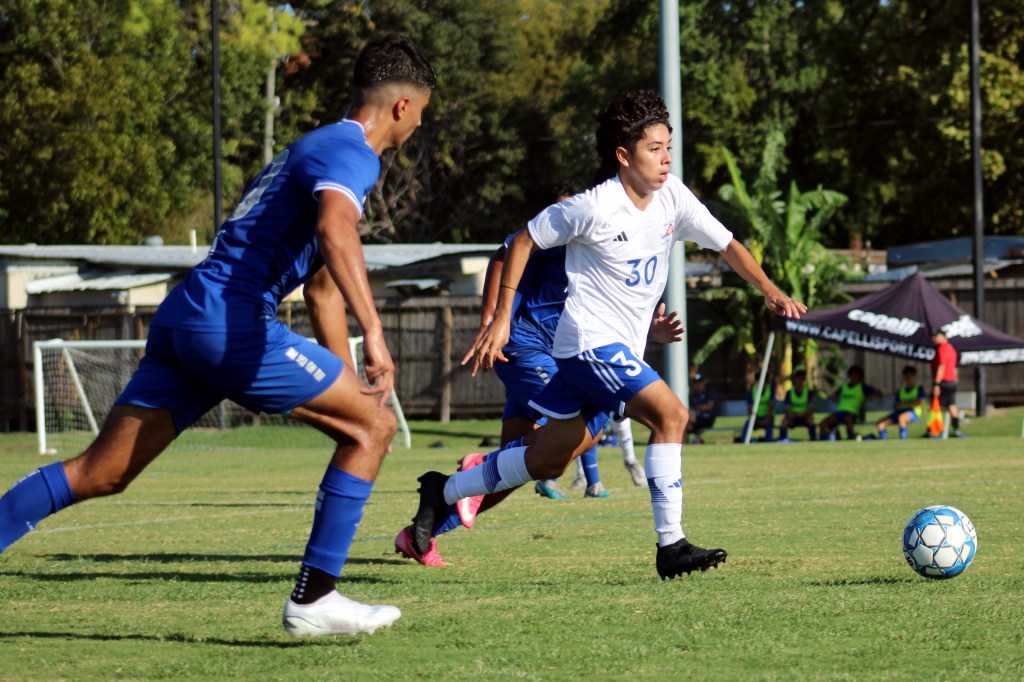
(667, 234)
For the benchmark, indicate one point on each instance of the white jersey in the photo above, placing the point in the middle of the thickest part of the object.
(617, 259)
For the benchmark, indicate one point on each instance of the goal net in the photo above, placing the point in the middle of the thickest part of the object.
(77, 382)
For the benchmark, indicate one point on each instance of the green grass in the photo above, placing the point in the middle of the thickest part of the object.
(184, 575)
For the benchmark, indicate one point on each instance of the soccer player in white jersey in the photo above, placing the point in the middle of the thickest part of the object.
(618, 236)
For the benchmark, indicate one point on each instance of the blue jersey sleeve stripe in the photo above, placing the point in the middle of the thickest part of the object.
(340, 188)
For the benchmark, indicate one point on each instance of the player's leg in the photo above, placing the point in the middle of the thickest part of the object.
(158, 402)
(658, 408)
(885, 423)
(130, 439)
(594, 486)
(274, 370)
(812, 429)
(784, 426)
(826, 426)
(623, 429)
(362, 431)
(849, 420)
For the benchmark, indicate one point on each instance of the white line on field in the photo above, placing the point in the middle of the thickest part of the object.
(165, 519)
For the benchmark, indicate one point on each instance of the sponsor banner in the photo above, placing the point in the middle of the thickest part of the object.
(858, 339)
(992, 357)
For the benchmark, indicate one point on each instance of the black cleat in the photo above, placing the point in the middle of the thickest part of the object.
(432, 507)
(682, 557)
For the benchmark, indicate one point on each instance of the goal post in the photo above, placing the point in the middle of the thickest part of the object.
(77, 382)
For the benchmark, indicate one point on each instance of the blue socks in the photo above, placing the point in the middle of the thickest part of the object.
(589, 459)
(43, 492)
(451, 521)
(903, 433)
(339, 509)
(883, 434)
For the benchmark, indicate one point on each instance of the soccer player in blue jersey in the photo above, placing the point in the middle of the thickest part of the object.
(216, 336)
(618, 236)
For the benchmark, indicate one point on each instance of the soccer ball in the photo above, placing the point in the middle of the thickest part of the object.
(939, 542)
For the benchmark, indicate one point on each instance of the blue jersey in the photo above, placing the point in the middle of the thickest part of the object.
(539, 299)
(268, 246)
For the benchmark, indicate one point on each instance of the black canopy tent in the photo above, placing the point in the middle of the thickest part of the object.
(898, 321)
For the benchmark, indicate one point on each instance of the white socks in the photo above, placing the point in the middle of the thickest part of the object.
(624, 432)
(664, 465)
(500, 471)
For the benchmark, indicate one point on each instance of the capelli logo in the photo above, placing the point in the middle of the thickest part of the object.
(900, 326)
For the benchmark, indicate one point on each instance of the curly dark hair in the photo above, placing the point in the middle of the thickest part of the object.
(623, 123)
(392, 58)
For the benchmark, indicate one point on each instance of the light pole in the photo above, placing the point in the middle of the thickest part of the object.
(676, 356)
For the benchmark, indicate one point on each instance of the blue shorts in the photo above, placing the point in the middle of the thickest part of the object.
(895, 415)
(842, 414)
(189, 372)
(599, 381)
(527, 372)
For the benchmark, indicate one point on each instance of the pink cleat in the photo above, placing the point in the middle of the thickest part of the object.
(403, 546)
(468, 506)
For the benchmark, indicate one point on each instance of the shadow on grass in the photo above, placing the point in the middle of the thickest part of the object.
(845, 582)
(174, 558)
(177, 637)
(174, 576)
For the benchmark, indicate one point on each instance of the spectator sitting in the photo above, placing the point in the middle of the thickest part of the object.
(702, 408)
(850, 399)
(799, 404)
(908, 404)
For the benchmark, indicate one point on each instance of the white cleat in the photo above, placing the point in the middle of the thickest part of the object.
(334, 614)
(636, 472)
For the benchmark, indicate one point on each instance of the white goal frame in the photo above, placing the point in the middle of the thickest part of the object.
(39, 382)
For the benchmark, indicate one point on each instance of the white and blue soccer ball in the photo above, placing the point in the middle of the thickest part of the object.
(940, 542)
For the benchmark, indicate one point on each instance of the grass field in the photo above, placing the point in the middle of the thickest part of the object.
(184, 576)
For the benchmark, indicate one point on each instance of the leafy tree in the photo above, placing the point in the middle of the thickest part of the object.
(91, 119)
(783, 232)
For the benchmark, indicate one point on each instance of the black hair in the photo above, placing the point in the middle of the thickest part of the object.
(855, 369)
(392, 58)
(556, 190)
(623, 123)
(909, 369)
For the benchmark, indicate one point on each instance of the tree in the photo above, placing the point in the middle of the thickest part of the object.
(92, 116)
(783, 232)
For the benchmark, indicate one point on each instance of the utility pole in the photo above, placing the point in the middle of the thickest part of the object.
(217, 179)
(676, 355)
(271, 96)
(978, 211)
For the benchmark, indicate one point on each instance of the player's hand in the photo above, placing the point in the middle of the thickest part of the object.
(783, 305)
(487, 349)
(476, 342)
(936, 391)
(665, 328)
(379, 368)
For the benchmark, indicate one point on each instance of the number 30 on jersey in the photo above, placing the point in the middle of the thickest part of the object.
(642, 271)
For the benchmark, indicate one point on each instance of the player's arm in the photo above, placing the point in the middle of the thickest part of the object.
(327, 314)
(487, 349)
(343, 259)
(740, 260)
(492, 281)
(940, 372)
